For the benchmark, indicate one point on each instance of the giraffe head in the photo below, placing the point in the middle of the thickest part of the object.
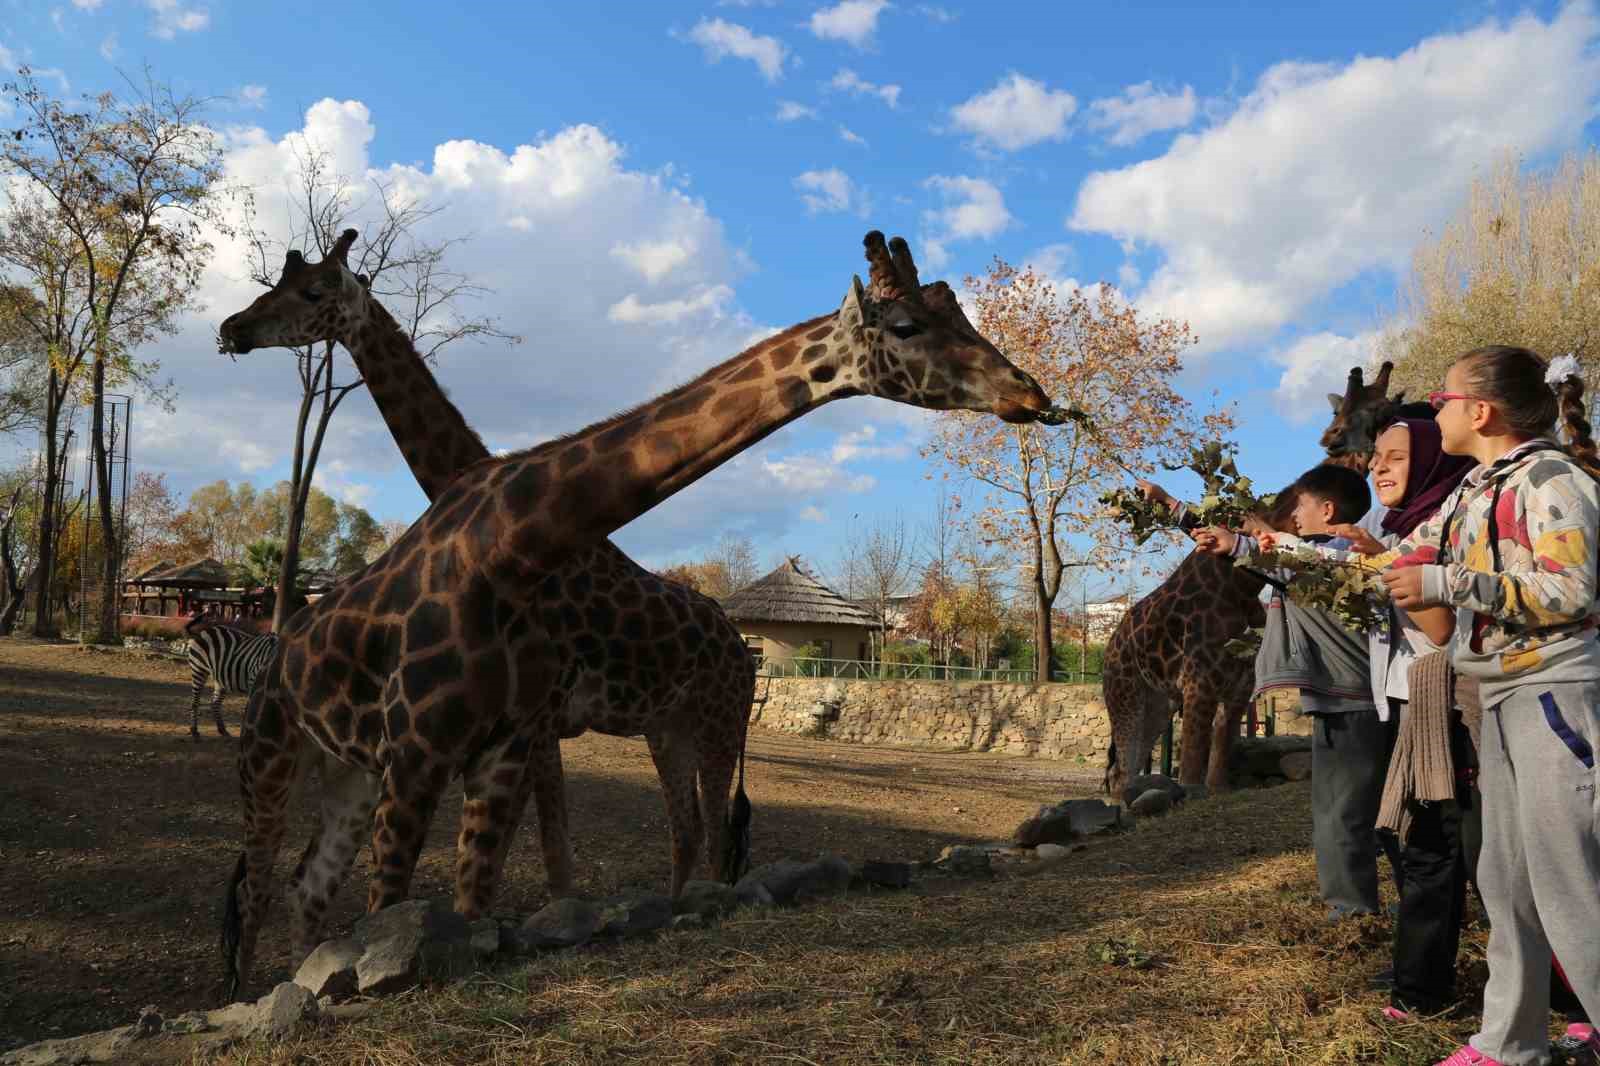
(1357, 417)
(311, 302)
(901, 340)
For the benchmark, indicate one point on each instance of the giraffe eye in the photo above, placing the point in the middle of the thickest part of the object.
(312, 295)
(903, 327)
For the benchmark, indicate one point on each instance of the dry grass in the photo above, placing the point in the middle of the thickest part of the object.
(1194, 940)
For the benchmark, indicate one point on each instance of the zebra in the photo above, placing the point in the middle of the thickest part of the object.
(230, 659)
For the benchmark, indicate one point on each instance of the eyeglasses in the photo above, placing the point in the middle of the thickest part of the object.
(1439, 399)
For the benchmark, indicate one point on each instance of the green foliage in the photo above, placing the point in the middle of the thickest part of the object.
(1246, 646)
(1352, 594)
(1227, 500)
(908, 653)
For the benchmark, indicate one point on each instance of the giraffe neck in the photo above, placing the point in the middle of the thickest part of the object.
(432, 434)
(570, 493)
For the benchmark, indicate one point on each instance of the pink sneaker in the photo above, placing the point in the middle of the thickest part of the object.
(1395, 1014)
(1467, 1055)
(1580, 1045)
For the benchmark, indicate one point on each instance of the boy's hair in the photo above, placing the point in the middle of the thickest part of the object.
(1513, 380)
(1339, 485)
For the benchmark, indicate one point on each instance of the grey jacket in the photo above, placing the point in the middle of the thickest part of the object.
(1308, 649)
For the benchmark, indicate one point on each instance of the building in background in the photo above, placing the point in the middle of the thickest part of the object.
(788, 610)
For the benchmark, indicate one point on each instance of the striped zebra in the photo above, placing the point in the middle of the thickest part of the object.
(229, 659)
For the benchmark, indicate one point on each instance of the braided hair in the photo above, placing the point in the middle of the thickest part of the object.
(1514, 380)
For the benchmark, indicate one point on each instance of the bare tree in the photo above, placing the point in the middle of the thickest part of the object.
(105, 231)
(409, 274)
(735, 556)
(880, 563)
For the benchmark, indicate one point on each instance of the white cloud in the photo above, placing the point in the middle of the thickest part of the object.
(1326, 171)
(850, 136)
(720, 38)
(108, 48)
(58, 16)
(849, 81)
(831, 190)
(809, 474)
(852, 21)
(1016, 113)
(172, 18)
(936, 13)
(1316, 365)
(87, 5)
(789, 111)
(708, 302)
(973, 207)
(811, 513)
(254, 96)
(654, 259)
(863, 444)
(1140, 111)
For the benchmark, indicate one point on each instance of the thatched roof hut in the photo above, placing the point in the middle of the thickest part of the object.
(204, 573)
(789, 609)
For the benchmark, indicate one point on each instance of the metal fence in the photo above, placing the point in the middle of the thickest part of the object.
(857, 669)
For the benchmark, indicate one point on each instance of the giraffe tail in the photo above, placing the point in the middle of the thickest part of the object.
(736, 841)
(232, 926)
(1111, 765)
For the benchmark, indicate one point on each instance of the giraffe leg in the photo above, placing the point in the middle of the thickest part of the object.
(1125, 707)
(673, 751)
(216, 711)
(1199, 714)
(348, 797)
(497, 783)
(412, 783)
(1224, 728)
(718, 762)
(270, 749)
(544, 780)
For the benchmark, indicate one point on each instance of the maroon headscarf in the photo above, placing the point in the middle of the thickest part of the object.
(1433, 476)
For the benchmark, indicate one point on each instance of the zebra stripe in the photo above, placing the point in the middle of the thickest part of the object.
(229, 660)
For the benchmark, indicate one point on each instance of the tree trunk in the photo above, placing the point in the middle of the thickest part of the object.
(44, 619)
(105, 628)
(1044, 656)
(305, 464)
(12, 581)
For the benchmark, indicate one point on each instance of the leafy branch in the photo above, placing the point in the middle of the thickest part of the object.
(1228, 498)
(1356, 596)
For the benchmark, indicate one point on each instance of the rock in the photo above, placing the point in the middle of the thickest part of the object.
(409, 941)
(1047, 827)
(706, 899)
(788, 881)
(1052, 852)
(754, 894)
(433, 919)
(389, 965)
(112, 1045)
(149, 1023)
(1196, 791)
(285, 1009)
(184, 1024)
(1143, 783)
(485, 937)
(1066, 821)
(688, 920)
(968, 860)
(1271, 781)
(886, 874)
(1152, 802)
(330, 969)
(1091, 816)
(1253, 757)
(629, 916)
(1296, 765)
(565, 923)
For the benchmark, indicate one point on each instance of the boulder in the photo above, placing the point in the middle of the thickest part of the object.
(1296, 765)
(330, 969)
(1255, 757)
(708, 899)
(1049, 826)
(565, 923)
(630, 916)
(1155, 801)
(284, 1010)
(885, 874)
(1142, 783)
(1052, 852)
(788, 881)
(967, 860)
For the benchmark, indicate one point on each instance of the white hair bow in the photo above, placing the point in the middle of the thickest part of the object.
(1561, 368)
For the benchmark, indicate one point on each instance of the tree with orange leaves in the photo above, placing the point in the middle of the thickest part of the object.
(1091, 351)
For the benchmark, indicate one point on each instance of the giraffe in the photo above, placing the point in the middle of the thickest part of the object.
(692, 708)
(435, 661)
(1167, 651)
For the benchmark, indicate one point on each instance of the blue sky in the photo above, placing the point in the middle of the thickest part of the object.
(649, 187)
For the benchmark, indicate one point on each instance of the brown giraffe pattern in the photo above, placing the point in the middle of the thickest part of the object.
(436, 661)
(693, 707)
(1167, 652)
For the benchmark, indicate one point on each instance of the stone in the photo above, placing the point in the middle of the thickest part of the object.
(484, 937)
(409, 941)
(284, 1010)
(565, 923)
(330, 969)
(788, 881)
(886, 874)
(1196, 792)
(630, 916)
(1048, 827)
(1091, 816)
(754, 894)
(392, 964)
(708, 899)
(190, 1022)
(112, 1045)
(433, 919)
(1052, 852)
(969, 860)
(149, 1023)
(1263, 756)
(1152, 802)
(688, 920)
(1296, 765)
(1142, 783)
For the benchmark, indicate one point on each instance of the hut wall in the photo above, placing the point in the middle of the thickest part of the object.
(1056, 721)
(780, 640)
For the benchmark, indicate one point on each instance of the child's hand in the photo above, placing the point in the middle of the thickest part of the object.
(1405, 586)
(1215, 539)
(1268, 540)
(1155, 493)
(1361, 541)
(1272, 540)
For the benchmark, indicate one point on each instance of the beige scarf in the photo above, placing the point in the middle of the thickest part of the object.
(1422, 767)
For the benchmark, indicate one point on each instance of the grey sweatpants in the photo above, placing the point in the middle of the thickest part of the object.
(1349, 761)
(1540, 867)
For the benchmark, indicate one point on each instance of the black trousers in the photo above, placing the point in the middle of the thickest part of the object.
(1435, 865)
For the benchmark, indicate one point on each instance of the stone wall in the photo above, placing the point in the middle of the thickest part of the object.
(1050, 721)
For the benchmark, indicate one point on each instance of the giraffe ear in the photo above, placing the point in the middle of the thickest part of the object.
(855, 299)
(365, 282)
(1335, 401)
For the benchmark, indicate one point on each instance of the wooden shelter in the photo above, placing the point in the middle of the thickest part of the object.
(789, 609)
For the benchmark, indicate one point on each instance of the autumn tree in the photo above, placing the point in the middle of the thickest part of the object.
(412, 276)
(1038, 486)
(105, 228)
(1518, 263)
(149, 533)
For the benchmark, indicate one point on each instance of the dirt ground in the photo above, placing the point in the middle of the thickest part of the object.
(117, 832)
